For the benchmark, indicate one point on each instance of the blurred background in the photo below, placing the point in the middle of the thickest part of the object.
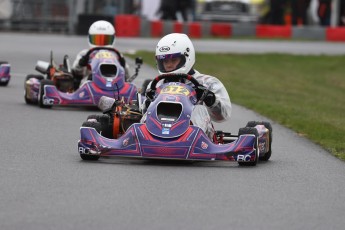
(75, 17)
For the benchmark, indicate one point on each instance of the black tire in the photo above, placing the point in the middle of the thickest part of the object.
(4, 83)
(98, 128)
(268, 126)
(106, 125)
(250, 130)
(41, 92)
(37, 76)
(29, 76)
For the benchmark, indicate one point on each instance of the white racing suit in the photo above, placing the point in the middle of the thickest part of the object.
(202, 115)
(83, 73)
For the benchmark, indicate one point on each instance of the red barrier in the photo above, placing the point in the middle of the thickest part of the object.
(178, 27)
(221, 29)
(127, 25)
(335, 34)
(270, 31)
(194, 30)
(156, 28)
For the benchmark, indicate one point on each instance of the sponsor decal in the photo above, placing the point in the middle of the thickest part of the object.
(108, 84)
(262, 147)
(83, 150)
(165, 131)
(48, 101)
(82, 94)
(164, 49)
(243, 157)
(166, 125)
(125, 141)
(167, 119)
(204, 145)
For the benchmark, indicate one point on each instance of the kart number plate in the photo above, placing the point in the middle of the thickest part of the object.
(104, 55)
(175, 89)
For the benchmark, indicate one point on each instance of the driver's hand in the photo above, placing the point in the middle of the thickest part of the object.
(205, 95)
(210, 98)
(150, 94)
(83, 61)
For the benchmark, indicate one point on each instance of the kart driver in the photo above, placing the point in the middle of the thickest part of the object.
(175, 54)
(101, 34)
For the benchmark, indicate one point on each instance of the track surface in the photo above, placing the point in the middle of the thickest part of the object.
(45, 185)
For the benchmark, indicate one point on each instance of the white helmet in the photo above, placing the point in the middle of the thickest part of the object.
(101, 33)
(175, 45)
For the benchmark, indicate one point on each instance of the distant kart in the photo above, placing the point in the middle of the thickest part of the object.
(60, 88)
(168, 132)
(5, 76)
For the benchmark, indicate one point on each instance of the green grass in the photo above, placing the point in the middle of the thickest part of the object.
(304, 93)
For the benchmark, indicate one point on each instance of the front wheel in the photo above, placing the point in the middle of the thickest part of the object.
(250, 130)
(28, 77)
(268, 126)
(97, 126)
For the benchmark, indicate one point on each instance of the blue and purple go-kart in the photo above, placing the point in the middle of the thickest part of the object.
(167, 132)
(60, 88)
(5, 76)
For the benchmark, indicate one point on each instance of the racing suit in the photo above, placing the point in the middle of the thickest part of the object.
(82, 72)
(202, 116)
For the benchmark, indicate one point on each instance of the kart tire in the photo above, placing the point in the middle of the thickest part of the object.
(29, 76)
(268, 126)
(104, 120)
(37, 76)
(250, 130)
(4, 83)
(41, 91)
(97, 126)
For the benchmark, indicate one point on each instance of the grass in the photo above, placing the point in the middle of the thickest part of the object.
(303, 93)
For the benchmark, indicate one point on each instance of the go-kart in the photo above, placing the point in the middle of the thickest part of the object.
(167, 132)
(5, 76)
(59, 87)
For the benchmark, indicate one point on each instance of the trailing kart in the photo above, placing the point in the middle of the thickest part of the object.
(5, 75)
(59, 87)
(167, 132)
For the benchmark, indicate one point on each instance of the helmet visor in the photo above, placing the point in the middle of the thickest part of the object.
(170, 62)
(101, 39)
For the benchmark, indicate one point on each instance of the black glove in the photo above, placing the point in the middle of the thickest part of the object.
(84, 60)
(210, 99)
(150, 94)
(205, 95)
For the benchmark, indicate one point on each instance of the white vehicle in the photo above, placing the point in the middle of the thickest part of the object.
(228, 10)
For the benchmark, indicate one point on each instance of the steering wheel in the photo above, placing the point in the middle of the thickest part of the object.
(100, 48)
(188, 77)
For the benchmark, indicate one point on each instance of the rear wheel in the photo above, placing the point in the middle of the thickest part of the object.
(268, 126)
(250, 130)
(30, 76)
(104, 121)
(97, 126)
(41, 93)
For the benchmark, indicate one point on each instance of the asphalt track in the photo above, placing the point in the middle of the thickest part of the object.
(45, 185)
